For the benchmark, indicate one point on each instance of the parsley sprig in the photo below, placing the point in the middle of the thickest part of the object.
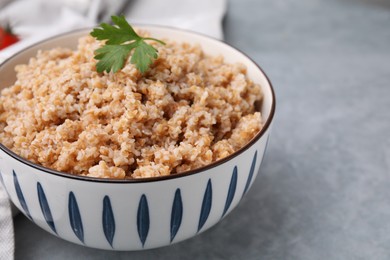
(121, 39)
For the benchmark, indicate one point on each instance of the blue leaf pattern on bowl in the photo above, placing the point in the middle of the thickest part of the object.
(177, 214)
(143, 220)
(45, 208)
(108, 220)
(75, 217)
(19, 193)
(206, 205)
(251, 171)
(231, 191)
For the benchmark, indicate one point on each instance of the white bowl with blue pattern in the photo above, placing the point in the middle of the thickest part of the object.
(142, 213)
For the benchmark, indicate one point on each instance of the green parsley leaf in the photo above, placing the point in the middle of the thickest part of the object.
(112, 57)
(143, 56)
(121, 39)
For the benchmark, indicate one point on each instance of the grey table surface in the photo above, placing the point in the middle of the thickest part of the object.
(323, 189)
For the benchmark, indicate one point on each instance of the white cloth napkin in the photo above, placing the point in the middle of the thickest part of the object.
(35, 20)
(6, 227)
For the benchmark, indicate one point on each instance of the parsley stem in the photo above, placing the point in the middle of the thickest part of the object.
(156, 40)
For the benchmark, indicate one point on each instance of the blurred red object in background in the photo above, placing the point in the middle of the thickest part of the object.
(7, 38)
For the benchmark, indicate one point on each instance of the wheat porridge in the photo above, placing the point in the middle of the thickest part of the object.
(187, 111)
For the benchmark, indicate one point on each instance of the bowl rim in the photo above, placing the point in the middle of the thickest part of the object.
(265, 128)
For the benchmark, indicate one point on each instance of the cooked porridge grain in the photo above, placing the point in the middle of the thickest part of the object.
(187, 111)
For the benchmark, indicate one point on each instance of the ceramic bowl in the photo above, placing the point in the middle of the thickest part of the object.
(141, 213)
